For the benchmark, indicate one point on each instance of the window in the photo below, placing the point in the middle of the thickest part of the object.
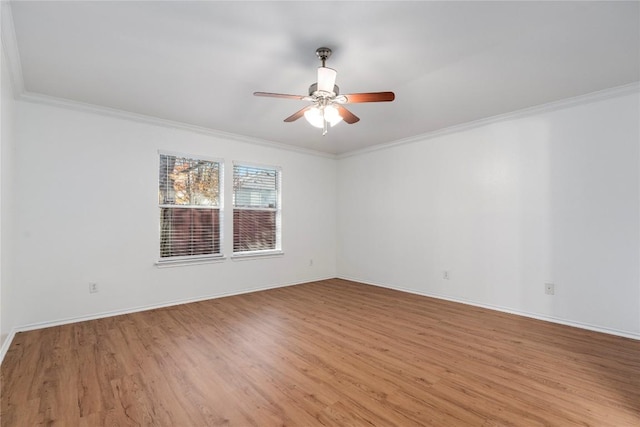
(256, 209)
(190, 208)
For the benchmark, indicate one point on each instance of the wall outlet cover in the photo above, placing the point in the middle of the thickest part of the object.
(549, 288)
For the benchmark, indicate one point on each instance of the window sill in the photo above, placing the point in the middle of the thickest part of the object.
(185, 261)
(245, 256)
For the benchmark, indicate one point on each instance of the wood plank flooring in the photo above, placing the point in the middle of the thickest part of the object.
(328, 353)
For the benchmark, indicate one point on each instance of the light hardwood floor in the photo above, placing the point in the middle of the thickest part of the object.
(329, 353)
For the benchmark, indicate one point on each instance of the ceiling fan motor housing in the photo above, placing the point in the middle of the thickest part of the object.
(313, 91)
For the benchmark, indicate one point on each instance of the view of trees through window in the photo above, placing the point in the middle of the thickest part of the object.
(189, 200)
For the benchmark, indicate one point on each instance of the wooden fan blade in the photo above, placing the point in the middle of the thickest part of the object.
(295, 116)
(279, 95)
(347, 115)
(354, 98)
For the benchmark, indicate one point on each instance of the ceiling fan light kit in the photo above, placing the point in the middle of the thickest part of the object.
(326, 108)
(320, 116)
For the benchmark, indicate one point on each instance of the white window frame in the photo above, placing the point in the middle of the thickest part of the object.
(194, 259)
(277, 251)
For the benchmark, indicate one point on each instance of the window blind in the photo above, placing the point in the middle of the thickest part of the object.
(256, 195)
(190, 204)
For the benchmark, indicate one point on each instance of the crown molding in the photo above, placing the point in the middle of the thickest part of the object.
(141, 118)
(632, 88)
(12, 56)
(10, 49)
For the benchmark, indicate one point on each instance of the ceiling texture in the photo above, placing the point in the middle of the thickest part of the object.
(449, 63)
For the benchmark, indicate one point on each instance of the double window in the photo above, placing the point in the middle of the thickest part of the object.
(191, 208)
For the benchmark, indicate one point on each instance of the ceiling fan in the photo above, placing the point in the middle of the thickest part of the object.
(327, 103)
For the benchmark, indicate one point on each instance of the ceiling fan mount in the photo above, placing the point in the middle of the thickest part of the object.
(327, 103)
(323, 53)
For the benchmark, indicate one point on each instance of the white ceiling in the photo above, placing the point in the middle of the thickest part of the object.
(448, 62)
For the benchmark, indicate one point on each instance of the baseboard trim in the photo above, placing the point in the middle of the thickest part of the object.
(105, 314)
(40, 325)
(7, 343)
(552, 319)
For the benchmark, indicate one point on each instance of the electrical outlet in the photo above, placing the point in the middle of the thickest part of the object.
(445, 275)
(93, 288)
(549, 288)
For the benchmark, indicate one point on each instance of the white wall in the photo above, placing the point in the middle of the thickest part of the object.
(7, 320)
(506, 207)
(86, 200)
